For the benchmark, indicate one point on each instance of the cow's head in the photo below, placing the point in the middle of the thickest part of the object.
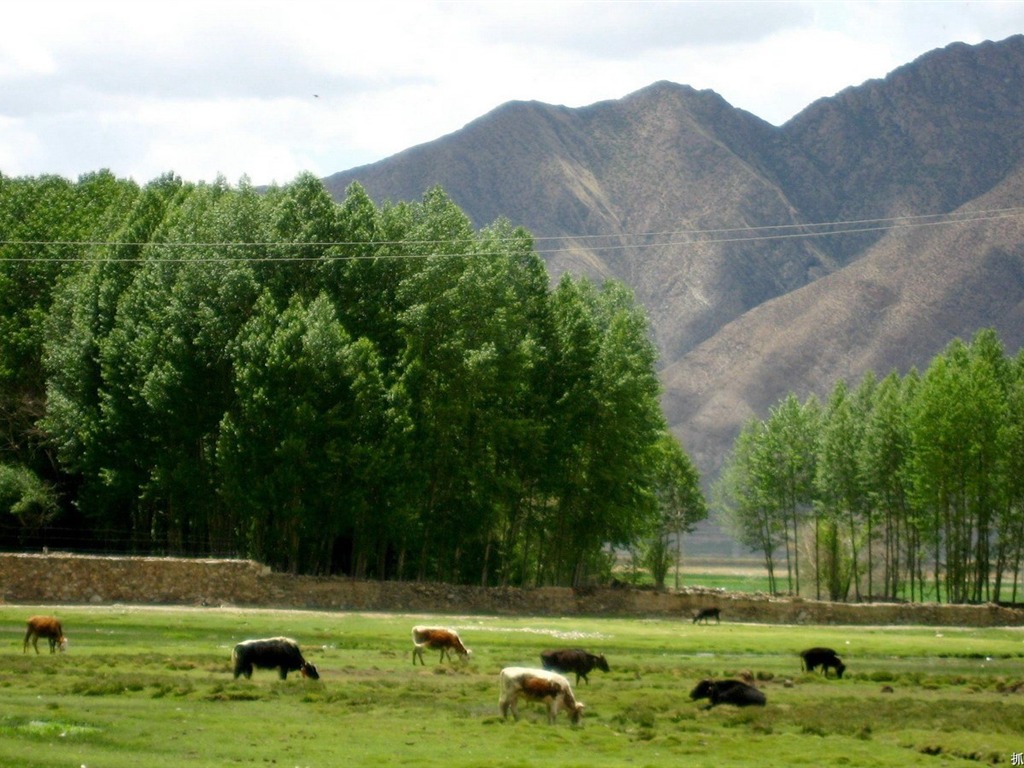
(601, 663)
(702, 690)
(309, 670)
(62, 644)
(576, 712)
(840, 668)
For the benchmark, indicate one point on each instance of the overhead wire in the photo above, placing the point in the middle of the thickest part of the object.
(642, 240)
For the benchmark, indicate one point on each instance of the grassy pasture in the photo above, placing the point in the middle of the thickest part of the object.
(153, 686)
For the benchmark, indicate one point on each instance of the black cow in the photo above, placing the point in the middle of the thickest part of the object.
(576, 660)
(825, 658)
(707, 613)
(734, 692)
(279, 653)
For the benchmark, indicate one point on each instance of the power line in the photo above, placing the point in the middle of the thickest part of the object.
(643, 240)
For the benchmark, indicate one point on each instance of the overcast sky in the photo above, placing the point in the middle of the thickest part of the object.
(270, 89)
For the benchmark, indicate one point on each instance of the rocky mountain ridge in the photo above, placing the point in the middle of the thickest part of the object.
(865, 233)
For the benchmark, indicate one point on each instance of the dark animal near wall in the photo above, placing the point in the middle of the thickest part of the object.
(734, 692)
(447, 640)
(279, 653)
(48, 627)
(707, 613)
(577, 660)
(825, 658)
(539, 685)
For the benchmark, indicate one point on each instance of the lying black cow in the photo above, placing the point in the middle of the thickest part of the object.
(734, 692)
(566, 660)
(279, 653)
(822, 657)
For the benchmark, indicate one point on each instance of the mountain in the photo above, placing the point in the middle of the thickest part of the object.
(860, 235)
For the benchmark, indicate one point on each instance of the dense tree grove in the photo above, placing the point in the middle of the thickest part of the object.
(908, 488)
(325, 387)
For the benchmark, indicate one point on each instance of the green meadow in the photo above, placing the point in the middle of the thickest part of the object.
(147, 686)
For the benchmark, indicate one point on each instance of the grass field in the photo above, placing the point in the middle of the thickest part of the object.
(153, 687)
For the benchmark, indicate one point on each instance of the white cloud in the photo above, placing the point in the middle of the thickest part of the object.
(270, 89)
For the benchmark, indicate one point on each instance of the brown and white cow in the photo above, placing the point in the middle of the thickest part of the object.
(539, 685)
(48, 627)
(447, 640)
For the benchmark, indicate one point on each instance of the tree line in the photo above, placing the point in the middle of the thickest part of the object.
(911, 487)
(325, 387)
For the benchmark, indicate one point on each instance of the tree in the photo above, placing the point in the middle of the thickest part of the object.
(886, 453)
(841, 491)
(31, 501)
(680, 504)
(1010, 541)
(234, 371)
(92, 415)
(45, 225)
(284, 445)
(606, 424)
(790, 440)
(743, 508)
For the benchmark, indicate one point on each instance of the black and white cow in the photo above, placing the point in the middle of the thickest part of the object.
(825, 658)
(566, 660)
(734, 692)
(279, 653)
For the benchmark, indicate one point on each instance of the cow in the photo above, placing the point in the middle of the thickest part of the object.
(825, 658)
(735, 692)
(279, 653)
(539, 685)
(566, 660)
(707, 613)
(48, 627)
(447, 640)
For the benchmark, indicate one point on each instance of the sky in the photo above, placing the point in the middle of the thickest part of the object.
(267, 90)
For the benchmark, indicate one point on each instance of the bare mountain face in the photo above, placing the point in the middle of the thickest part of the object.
(710, 215)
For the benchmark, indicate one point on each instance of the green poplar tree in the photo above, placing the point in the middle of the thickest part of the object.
(681, 505)
(886, 453)
(841, 492)
(742, 505)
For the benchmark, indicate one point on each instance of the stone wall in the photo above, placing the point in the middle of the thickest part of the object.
(75, 579)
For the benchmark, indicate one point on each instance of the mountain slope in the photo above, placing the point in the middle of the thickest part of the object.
(893, 309)
(706, 211)
(667, 159)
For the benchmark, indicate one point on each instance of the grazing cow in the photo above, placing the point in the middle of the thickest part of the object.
(734, 692)
(566, 660)
(447, 640)
(48, 627)
(825, 658)
(539, 685)
(281, 653)
(707, 613)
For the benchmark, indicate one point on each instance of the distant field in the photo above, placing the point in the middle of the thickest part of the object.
(153, 687)
(749, 575)
(732, 575)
